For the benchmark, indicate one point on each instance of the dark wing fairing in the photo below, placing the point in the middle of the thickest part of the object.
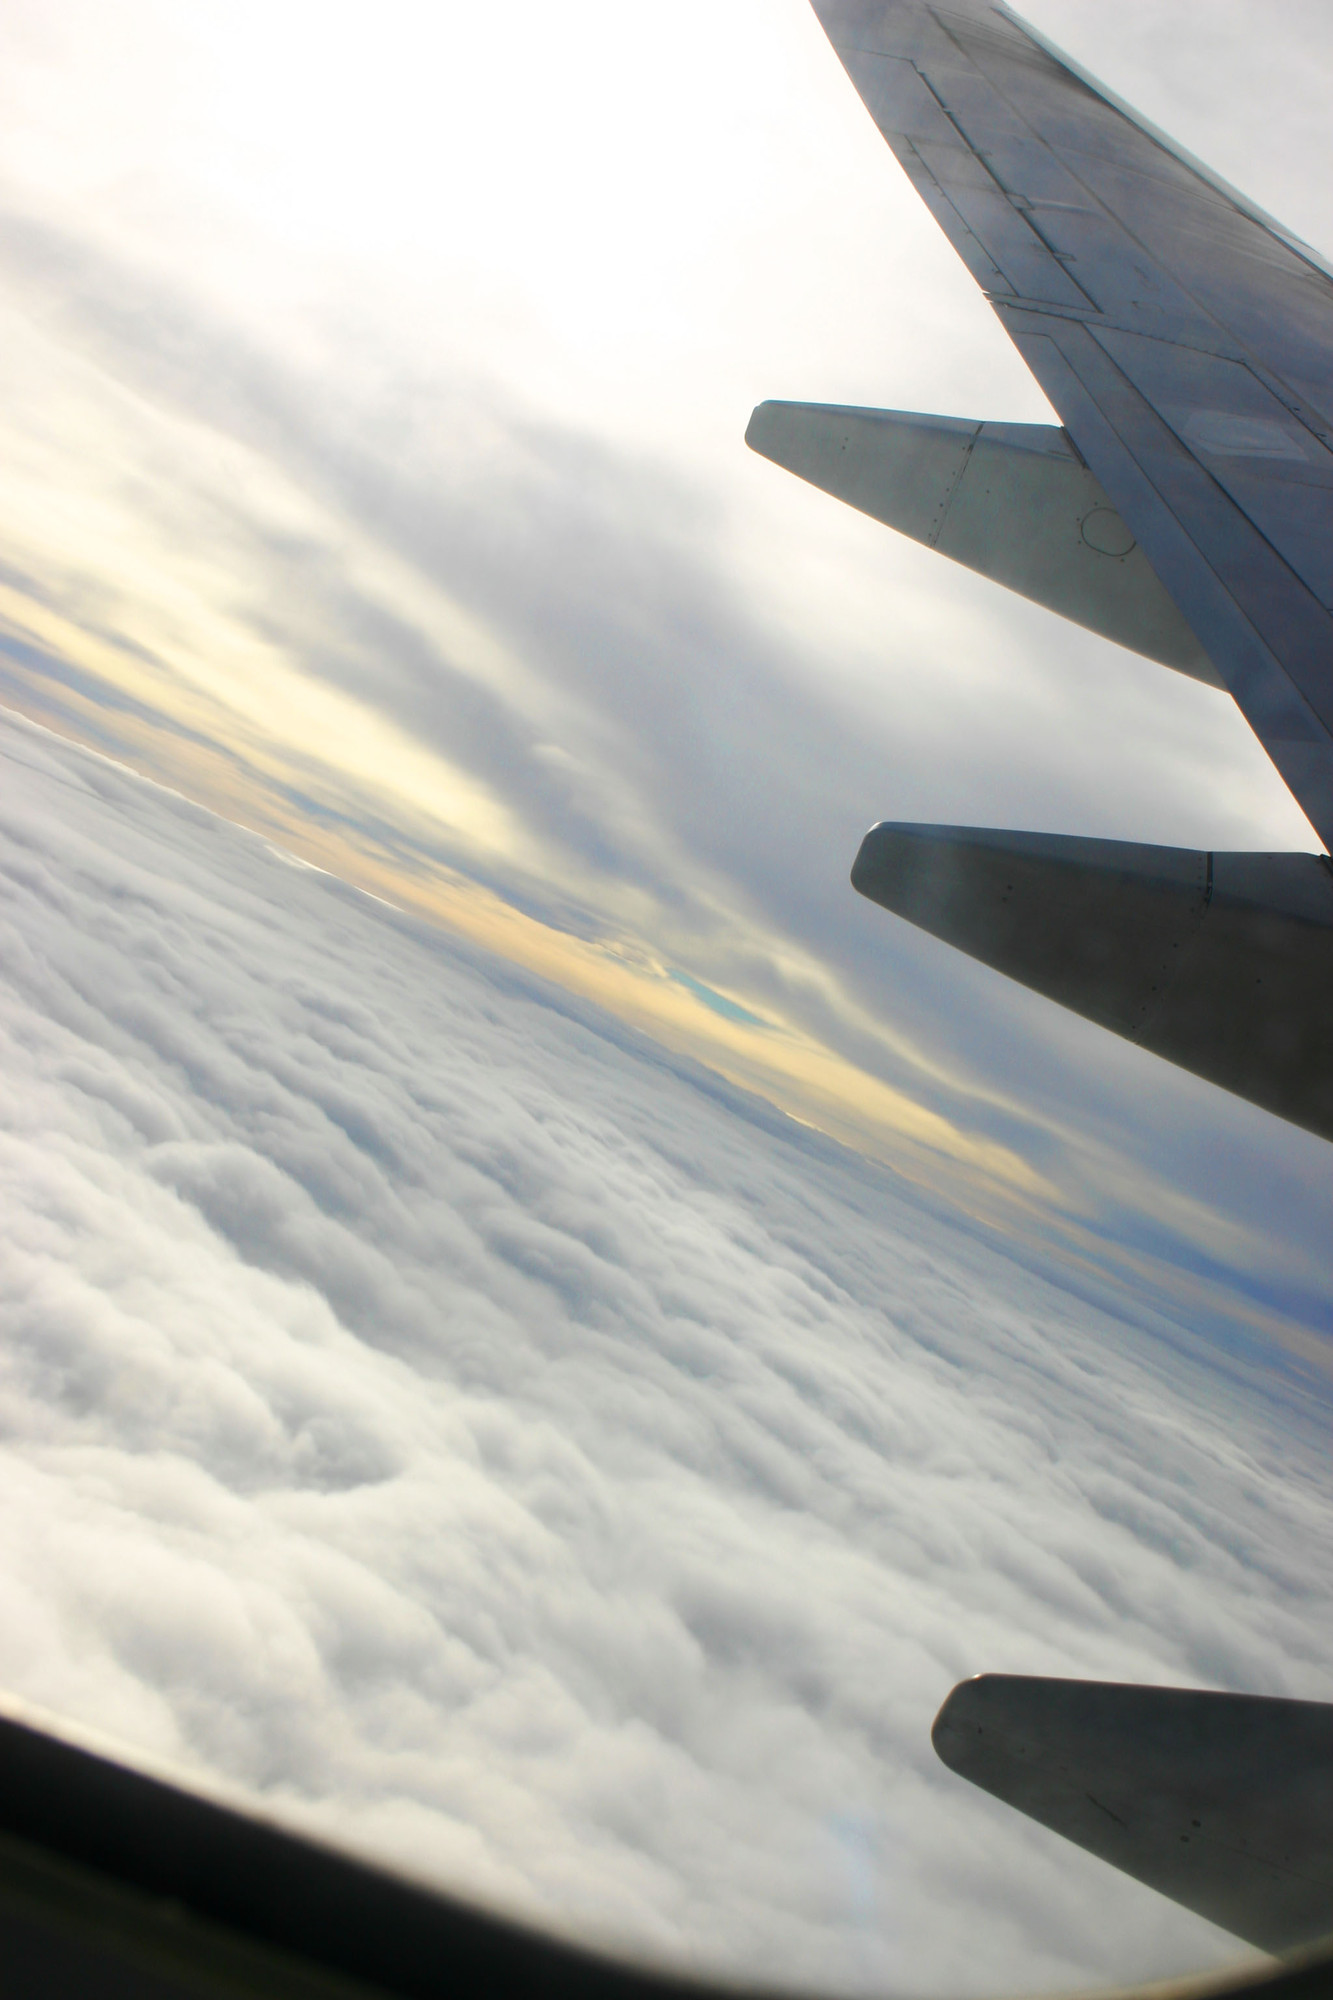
(1220, 1801)
(1222, 963)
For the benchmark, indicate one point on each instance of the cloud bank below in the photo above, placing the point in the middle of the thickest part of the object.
(501, 1444)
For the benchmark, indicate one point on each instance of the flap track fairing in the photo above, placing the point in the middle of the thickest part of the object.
(1222, 962)
(1014, 502)
(1224, 1802)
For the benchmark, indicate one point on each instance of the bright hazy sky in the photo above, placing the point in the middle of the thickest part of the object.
(373, 382)
(374, 387)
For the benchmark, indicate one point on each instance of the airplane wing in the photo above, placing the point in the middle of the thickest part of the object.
(1185, 340)
(1221, 963)
(1220, 1801)
(1185, 506)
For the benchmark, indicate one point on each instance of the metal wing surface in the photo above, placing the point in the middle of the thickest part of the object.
(1185, 339)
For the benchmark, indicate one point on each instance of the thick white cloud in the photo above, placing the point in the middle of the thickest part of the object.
(434, 1410)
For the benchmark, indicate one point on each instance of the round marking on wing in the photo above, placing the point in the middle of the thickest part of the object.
(1104, 531)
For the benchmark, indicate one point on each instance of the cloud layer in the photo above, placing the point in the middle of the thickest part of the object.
(435, 1410)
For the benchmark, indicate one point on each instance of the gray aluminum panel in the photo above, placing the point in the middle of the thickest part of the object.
(1222, 963)
(1185, 339)
(1223, 1802)
(1013, 501)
